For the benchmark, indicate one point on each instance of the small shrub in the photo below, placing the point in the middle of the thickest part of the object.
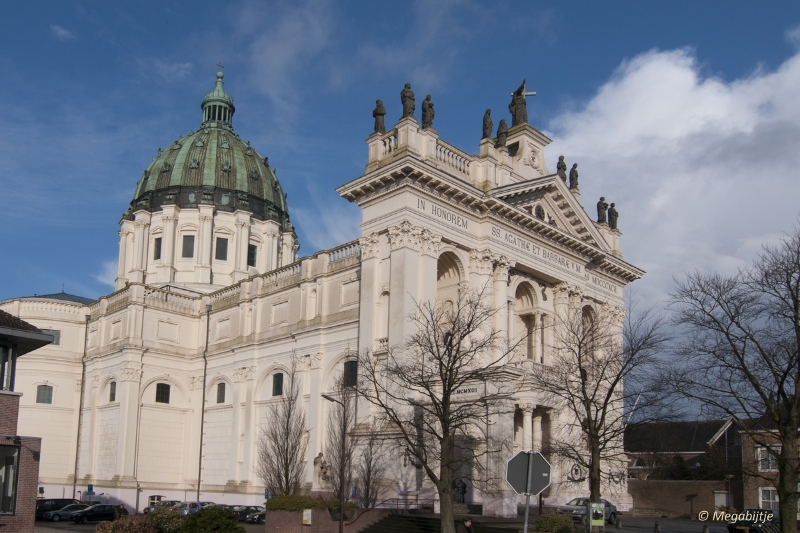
(167, 521)
(128, 524)
(555, 523)
(212, 519)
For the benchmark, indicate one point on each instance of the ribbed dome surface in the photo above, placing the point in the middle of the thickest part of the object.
(212, 166)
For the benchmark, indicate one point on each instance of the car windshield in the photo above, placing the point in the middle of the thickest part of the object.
(259, 508)
(239, 508)
(91, 507)
(579, 502)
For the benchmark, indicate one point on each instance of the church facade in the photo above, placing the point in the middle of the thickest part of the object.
(169, 378)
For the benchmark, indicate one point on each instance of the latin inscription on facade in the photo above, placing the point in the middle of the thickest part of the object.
(535, 250)
(442, 213)
(603, 284)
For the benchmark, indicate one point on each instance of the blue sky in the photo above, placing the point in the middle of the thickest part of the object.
(686, 114)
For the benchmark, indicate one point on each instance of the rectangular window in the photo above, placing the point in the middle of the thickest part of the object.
(769, 498)
(9, 464)
(251, 255)
(112, 392)
(220, 393)
(56, 335)
(44, 394)
(767, 462)
(162, 393)
(277, 384)
(188, 246)
(157, 249)
(221, 253)
(350, 378)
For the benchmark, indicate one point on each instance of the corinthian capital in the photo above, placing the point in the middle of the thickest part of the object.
(370, 245)
(429, 243)
(404, 235)
(480, 262)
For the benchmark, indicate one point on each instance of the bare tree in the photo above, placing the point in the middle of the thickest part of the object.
(370, 467)
(596, 348)
(282, 440)
(740, 357)
(340, 442)
(435, 393)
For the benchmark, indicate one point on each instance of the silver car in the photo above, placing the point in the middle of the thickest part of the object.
(577, 508)
(64, 513)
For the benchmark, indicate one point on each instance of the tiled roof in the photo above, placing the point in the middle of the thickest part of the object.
(8, 320)
(64, 297)
(671, 437)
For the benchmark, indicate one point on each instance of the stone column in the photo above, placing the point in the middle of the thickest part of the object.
(500, 297)
(536, 345)
(527, 413)
(122, 273)
(206, 244)
(537, 433)
(92, 387)
(404, 240)
(370, 276)
(501, 500)
(316, 437)
(128, 395)
(190, 459)
(428, 264)
(480, 270)
(548, 339)
(169, 248)
(248, 428)
(242, 240)
(141, 226)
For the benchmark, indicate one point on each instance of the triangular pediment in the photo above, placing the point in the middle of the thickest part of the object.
(548, 198)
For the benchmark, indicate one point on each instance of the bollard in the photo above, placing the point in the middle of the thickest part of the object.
(705, 528)
(618, 523)
(657, 528)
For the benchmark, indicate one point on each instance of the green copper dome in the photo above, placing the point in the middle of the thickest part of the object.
(212, 166)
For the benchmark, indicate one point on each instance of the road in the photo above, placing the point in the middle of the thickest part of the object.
(61, 527)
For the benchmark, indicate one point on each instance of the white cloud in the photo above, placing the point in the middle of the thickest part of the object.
(108, 273)
(793, 36)
(169, 70)
(702, 171)
(326, 224)
(61, 33)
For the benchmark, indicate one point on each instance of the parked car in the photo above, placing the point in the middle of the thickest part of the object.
(256, 518)
(241, 511)
(96, 513)
(64, 513)
(187, 508)
(577, 508)
(52, 504)
(159, 505)
(762, 521)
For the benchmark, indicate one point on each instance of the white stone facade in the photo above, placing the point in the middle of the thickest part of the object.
(435, 219)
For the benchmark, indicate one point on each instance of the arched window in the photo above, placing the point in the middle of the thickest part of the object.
(112, 391)
(448, 277)
(277, 384)
(221, 392)
(350, 377)
(162, 392)
(44, 394)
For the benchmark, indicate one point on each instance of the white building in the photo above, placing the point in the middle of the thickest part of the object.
(209, 226)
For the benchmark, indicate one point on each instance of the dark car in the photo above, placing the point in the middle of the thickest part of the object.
(256, 518)
(756, 521)
(96, 513)
(64, 513)
(241, 511)
(577, 508)
(160, 505)
(52, 504)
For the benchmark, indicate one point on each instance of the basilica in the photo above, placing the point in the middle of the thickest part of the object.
(164, 383)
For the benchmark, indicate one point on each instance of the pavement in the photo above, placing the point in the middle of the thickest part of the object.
(668, 525)
(61, 527)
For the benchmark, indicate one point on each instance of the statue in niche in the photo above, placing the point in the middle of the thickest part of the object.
(561, 168)
(427, 113)
(519, 106)
(539, 212)
(407, 99)
(502, 133)
(613, 215)
(573, 177)
(602, 206)
(488, 125)
(319, 469)
(379, 113)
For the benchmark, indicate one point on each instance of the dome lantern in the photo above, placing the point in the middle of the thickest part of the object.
(218, 105)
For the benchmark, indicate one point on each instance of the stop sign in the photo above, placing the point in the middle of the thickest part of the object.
(520, 465)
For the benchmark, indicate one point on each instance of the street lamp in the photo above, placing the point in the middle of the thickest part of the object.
(341, 461)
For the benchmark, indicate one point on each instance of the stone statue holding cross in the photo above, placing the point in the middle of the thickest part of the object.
(519, 106)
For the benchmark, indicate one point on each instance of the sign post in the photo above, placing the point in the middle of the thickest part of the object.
(528, 473)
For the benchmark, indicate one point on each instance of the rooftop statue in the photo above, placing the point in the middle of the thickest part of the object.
(379, 113)
(561, 168)
(601, 210)
(519, 106)
(407, 99)
(573, 177)
(427, 113)
(488, 125)
(502, 133)
(613, 215)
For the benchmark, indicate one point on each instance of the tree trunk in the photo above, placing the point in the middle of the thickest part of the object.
(445, 487)
(788, 481)
(594, 473)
